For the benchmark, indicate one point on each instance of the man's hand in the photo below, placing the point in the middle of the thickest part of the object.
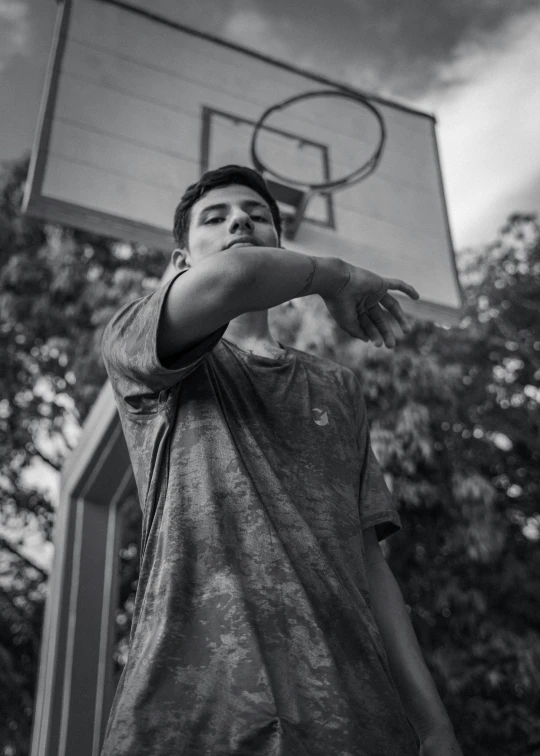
(356, 307)
(441, 743)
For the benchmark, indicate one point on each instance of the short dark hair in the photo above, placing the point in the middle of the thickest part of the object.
(224, 176)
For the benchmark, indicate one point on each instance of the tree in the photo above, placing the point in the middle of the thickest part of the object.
(58, 289)
(455, 421)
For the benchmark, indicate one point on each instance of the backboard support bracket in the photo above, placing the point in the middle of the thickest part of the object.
(292, 203)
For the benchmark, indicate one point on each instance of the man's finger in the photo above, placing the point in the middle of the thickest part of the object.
(369, 327)
(380, 319)
(399, 285)
(362, 335)
(394, 308)
(376, 325)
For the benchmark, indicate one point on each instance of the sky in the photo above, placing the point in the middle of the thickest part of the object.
(474, 64)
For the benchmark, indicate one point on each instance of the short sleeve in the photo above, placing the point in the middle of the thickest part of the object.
(375, 502)
(129, 351)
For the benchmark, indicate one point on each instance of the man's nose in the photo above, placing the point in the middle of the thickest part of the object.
(241, 220)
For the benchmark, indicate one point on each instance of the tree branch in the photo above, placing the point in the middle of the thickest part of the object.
(528, 305)
(10, 547)
(47, 460)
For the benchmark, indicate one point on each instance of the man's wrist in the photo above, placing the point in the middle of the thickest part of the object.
(441, 742)
(331, 276)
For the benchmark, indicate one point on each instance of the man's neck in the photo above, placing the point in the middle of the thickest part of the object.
(250, 331)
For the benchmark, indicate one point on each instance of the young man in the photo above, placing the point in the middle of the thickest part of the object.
(267, 622)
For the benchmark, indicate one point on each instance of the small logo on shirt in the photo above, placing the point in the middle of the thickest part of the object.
(320, 416)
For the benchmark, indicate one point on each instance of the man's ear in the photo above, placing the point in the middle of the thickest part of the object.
(181, 258)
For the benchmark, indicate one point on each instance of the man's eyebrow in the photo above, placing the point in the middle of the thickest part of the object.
(248, 204)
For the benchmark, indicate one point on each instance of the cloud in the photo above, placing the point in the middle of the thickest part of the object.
(488, 108)
(474, 64)
(389, 46)
(14, 30)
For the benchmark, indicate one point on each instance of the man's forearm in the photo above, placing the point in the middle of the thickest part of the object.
(271, 276)
(415, 685)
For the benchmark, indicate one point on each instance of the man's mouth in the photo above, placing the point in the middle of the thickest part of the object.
(242, 240)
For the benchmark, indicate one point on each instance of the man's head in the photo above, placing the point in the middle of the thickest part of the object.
(228, 204)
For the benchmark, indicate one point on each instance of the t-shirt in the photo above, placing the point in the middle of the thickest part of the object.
(252, 632)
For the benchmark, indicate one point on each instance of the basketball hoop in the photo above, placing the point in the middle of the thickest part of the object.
(295, 194)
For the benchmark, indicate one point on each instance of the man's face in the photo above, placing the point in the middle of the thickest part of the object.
(225, 216)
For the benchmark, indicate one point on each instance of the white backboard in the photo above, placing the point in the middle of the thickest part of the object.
(137, 106)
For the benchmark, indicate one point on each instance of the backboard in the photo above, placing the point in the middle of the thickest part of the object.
(137, 106)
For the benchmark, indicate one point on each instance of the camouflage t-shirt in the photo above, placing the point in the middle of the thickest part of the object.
(252, 632)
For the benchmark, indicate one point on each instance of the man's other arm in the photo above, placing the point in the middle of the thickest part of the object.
(415, 685)
(227, 284)
(247, 279)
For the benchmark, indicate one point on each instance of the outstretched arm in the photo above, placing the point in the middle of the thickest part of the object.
(416, 688)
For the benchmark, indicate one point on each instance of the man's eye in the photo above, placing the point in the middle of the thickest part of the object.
(260, 217)
(211, 220)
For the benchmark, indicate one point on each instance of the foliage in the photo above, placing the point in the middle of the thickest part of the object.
(454, 422)
(58, 289)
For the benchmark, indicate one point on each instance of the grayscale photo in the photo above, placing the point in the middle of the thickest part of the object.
(270, 407)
